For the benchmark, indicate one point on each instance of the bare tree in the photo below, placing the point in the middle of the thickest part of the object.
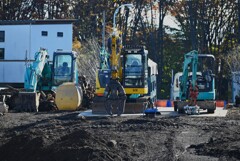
(233, 61)
(88, 59)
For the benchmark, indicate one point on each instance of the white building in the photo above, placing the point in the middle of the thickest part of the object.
(235, 85)
(20, 40)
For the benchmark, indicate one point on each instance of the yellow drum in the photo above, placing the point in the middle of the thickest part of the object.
(68, 96)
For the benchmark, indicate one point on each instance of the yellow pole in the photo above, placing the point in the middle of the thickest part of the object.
(114, 58)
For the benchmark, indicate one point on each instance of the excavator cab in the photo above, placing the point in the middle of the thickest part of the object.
(63, 67)
(206, 81)
(135, 70)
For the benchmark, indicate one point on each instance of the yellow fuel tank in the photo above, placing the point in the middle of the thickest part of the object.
(68, 96)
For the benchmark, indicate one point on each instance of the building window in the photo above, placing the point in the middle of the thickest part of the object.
(59, 34)
(1, 53)
(44, 33)
(2, 36)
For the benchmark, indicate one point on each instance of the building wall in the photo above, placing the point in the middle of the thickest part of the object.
(51, 42)
(235, 86)
(23, 41)
(12, 72)
(16, 41)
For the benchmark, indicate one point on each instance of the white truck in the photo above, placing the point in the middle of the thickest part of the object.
(175, 89)
(175, 86)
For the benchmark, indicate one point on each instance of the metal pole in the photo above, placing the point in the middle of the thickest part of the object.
(115, 13)
(103, 32)
(192, 26)
(238, 21)
(114, 18)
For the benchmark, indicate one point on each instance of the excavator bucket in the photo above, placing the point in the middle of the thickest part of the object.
(26, 101)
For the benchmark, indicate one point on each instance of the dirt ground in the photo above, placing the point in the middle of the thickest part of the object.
(63, 136)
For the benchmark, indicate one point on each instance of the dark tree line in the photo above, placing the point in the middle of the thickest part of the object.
(210, 27)
(205, 25)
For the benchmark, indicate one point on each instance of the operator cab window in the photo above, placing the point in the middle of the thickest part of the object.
(62, 69)
(133, 70)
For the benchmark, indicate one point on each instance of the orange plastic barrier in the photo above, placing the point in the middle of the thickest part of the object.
(220, 103)
(161, 103)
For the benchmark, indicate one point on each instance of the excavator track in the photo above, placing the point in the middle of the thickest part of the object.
(209, 105)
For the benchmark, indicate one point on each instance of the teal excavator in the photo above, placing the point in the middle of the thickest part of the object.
(197, 83)
(49, 83)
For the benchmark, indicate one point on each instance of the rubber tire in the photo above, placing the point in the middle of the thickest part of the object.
(175, 108)
(181, 111)
(210, 111)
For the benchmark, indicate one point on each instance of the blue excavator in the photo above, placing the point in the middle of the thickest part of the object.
(49, 84)
(197, 83)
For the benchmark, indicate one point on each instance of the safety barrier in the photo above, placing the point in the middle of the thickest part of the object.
(221, 103)
(164, 103)
(169, 103)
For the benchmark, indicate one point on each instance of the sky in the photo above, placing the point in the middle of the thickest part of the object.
(170, 21)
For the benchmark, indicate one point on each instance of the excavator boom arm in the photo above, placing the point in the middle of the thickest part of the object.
(34, 70)
(190, 58)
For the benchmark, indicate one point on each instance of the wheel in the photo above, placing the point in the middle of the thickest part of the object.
(181, 111)
(175, 108)
(210, 111)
